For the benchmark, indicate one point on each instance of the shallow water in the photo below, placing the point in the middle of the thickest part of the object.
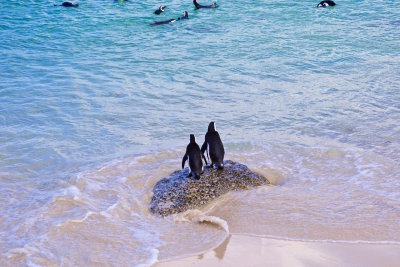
(96, 107)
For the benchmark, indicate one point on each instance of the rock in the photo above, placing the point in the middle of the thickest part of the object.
(178, 193)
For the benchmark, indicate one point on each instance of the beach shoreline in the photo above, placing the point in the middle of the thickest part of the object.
(241, 250)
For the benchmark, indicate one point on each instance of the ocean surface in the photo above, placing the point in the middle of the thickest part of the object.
(96, 106)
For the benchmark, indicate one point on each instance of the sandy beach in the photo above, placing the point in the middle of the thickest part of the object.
(238, 250)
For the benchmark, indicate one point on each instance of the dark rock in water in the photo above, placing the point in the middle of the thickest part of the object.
(178, 193)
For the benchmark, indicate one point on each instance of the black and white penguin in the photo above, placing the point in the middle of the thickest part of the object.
(214, 146)
(326, 3)
(157, 23)
(185, 16)
(160, 10)
(68, 4)
(198, 6)
(193, 153)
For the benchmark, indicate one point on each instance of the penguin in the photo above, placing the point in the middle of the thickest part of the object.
(198, 6)
(193, 153)
(162, 22)
(214, 146)
(68, 4)
(160, 10)
(326, 3)
(185, 16)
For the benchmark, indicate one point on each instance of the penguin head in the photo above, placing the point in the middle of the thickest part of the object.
(212, 127)
(162, 8)
(326, 4)
(186, 14)
(192, 138)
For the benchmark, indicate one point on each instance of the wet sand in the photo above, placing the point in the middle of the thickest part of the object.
(239, 250)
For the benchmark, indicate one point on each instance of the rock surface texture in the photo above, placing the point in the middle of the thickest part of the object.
(178, 193)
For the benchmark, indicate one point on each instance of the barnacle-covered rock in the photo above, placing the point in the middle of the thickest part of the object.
(178, 193)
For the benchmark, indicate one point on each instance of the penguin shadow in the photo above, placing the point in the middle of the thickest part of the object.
(221, 250)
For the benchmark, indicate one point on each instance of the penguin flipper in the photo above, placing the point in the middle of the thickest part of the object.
(184, 159)
(203, 149)
(204, 159)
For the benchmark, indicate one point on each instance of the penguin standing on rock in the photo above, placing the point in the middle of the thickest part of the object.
(193, 153)
(326, 3)
(214, 146)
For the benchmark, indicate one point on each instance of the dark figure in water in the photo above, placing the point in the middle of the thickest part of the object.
(198, 6)
(160, 10)
(214, 147)
(68, 4)
(326, 3)
(157, 23)
(194, 155)
(162, 22)
(185, 16)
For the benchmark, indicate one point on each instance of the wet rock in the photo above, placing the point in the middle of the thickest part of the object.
(178, 193)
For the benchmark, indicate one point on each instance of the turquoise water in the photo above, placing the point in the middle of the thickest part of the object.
(83, 87)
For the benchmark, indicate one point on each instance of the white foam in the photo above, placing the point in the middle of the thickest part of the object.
(215, 220)
(32, 264)
(106, 213)
(87, 215)
(151, 241)
(72, 191)
(199, 216)
(150, 261)
(92, 186)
